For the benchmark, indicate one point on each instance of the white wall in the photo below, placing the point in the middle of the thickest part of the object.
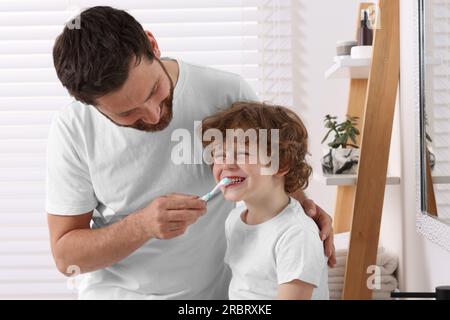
(317, 26)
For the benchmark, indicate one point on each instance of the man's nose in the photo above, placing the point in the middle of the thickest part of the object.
(152, 113)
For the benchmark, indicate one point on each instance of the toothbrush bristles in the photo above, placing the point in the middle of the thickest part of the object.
(225, 181)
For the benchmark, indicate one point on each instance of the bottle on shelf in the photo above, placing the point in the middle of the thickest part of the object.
(365, 30)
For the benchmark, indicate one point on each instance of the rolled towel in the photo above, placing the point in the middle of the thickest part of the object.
(376, 295)
(335, 279)
(386, 278)
(387, 283)
(342, 253)
(336, 272)
(388, 262)
(341, 244)
(335, 295)
(341, 260)
(381, 295)
(385, 260)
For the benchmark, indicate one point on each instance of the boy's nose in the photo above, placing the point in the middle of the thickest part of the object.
(230, 164)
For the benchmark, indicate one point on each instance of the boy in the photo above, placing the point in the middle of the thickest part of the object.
(273, 247)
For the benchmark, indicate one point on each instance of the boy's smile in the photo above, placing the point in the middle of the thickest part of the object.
(248, 184)
(236, 181)
(238, 188)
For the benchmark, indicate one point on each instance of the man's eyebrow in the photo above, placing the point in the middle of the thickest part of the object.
(153, 90)
(146, 99)
(126, 112)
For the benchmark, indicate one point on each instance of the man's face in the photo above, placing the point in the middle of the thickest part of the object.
(144, 102)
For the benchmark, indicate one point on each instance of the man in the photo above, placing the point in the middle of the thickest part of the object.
(109, 165)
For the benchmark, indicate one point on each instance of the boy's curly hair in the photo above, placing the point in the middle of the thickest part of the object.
(293, 136)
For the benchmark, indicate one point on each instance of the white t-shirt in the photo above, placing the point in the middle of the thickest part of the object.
(95, 164)
(284, 248)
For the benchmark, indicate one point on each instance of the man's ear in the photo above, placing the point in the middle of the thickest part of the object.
(154, 44)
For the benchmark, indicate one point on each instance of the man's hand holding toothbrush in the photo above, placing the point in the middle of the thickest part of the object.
(169, 216)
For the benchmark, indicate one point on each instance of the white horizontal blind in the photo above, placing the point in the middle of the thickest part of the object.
(437, 85)
(249, 37)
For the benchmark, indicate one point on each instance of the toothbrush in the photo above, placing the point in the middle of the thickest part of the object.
(221, 183)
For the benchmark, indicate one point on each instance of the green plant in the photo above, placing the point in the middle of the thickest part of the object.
(343, 132)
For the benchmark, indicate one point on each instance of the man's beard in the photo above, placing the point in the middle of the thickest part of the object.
(166, 111)
(164, 121)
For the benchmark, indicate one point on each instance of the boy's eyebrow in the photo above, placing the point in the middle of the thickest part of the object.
(146, 99)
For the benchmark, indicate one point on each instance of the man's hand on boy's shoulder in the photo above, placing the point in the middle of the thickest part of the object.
(324, 222)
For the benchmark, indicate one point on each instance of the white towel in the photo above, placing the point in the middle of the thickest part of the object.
(336, 272)
(387, 261)
(387, 283)
(376, 295)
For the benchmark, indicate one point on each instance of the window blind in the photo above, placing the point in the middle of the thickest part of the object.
(248, 37)
(437, 86)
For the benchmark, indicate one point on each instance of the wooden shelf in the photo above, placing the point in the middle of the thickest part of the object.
(372, 98)
(348, 179)
(441, 179)
(348, 67)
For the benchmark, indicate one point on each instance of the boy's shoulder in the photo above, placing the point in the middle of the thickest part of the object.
(296, 223)
(293, 220)
(298, 217)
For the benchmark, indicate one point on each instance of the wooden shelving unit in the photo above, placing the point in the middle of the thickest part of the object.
(348, 180)
(347, 67)
(372, 98)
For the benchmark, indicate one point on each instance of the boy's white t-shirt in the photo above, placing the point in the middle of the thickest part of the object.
(284, 248)
(94, 164)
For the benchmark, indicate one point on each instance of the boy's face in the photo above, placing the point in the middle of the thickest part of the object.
(242, 165)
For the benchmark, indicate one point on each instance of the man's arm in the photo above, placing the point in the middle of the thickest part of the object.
(74, 243)
(324, 222)
(295, 290)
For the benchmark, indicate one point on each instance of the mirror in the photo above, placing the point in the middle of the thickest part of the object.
(434, 48)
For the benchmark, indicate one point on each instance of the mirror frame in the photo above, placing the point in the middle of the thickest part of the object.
(427, 225)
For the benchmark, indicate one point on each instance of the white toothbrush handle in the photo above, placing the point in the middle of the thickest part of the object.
(207, 196)
(210, 194)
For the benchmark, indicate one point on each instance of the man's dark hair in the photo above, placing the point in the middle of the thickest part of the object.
(95, 59)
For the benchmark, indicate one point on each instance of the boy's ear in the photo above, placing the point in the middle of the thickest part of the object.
(282, 172)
